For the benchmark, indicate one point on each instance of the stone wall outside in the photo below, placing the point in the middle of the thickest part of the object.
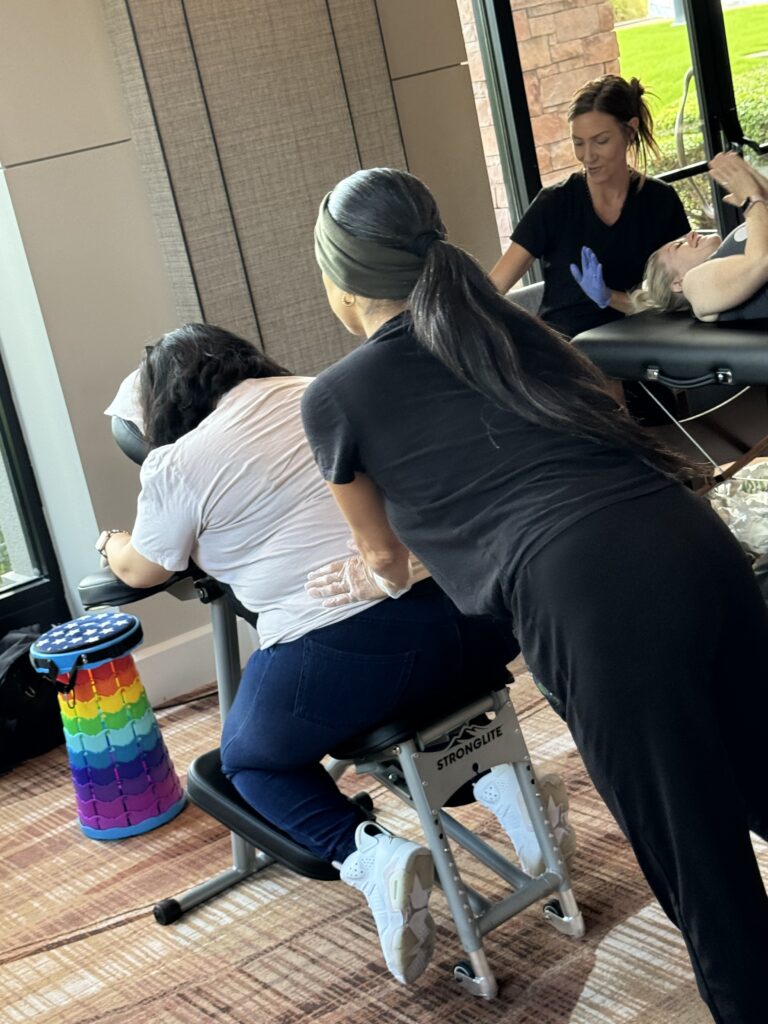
(562, 44)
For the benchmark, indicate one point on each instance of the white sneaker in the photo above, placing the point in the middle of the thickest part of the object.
(396, 877)
(500, 792)
(554, 796)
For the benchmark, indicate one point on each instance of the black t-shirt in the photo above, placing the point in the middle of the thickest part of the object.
(472, 489)
(561, 220)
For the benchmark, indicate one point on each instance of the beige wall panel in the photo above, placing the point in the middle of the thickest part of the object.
(366, 77)
(103, 292)
(421, 35)
(190, 152)
(443, 147)
(59, 88)
(278, 108)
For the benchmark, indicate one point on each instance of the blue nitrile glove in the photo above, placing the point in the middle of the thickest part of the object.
(590, 278)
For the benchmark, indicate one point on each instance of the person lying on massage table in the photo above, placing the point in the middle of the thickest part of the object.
(230, 483)
(717, 279)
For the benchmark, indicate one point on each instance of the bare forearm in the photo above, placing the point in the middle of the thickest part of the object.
(756, 249)
(736, 280)
(622, 303)
(131, 567)
(383, 557)
(515, 262)
(724, 283)
(362, 506)
(739, 179)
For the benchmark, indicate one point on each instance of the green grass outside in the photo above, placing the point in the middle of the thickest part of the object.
(627, 10)
(658, 54)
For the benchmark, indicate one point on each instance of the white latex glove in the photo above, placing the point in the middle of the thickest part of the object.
(349, 580)
(343, 582)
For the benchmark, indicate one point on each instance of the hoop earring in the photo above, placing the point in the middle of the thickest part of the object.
(348, 300)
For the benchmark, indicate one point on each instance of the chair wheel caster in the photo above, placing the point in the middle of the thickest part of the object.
(364, 802)
(463, 969)
(464, 974)
(572, 926)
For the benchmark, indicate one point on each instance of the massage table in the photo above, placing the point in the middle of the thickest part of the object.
(683, 353)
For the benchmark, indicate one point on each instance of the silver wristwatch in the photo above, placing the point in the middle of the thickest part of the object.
(104, 536)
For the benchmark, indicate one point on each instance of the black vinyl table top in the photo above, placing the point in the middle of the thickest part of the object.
(678, 349)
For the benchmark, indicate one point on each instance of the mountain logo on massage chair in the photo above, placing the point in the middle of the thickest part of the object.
(467, 742)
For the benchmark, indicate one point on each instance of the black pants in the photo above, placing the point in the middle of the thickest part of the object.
(645, 622)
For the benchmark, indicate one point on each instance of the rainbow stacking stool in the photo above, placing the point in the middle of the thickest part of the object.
(125, 783)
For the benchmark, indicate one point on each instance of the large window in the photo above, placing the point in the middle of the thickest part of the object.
(703, 62)
(30, 583)
(18, 564)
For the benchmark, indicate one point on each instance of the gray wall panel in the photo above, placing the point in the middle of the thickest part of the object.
(169, 64)
(366, 77)
(279, 113)
(262, 107)
(51, 103)
(259, 109)
(152, 161)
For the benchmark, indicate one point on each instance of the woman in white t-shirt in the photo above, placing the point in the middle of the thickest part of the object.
(230, 483)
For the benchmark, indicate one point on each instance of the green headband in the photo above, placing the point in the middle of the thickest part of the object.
(363, 267)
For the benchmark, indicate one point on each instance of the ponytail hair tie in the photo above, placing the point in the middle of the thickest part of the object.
(421, 243)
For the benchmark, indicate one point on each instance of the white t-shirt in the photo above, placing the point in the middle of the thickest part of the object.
(241, 496)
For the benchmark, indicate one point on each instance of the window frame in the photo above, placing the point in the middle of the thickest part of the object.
(41, 600)
(509, 105)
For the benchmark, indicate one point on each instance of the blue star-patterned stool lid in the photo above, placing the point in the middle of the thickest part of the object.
(88, 641)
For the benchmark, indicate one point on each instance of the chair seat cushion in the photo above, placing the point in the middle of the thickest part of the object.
(212, 791)
(368, 744)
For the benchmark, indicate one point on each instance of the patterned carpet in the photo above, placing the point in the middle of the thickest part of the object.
(78, 943)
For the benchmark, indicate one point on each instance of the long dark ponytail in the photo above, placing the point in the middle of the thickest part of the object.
(485, 340)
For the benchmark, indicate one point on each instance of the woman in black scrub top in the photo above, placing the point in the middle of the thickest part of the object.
(594, 231)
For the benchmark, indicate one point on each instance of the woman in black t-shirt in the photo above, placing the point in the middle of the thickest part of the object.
(468, 432)
(594, 231)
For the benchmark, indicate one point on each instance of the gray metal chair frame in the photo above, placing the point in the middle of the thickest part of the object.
(425, 769)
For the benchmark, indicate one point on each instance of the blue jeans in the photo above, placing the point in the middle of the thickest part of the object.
(299, 700)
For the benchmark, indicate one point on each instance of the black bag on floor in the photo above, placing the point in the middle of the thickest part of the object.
(30, 722)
